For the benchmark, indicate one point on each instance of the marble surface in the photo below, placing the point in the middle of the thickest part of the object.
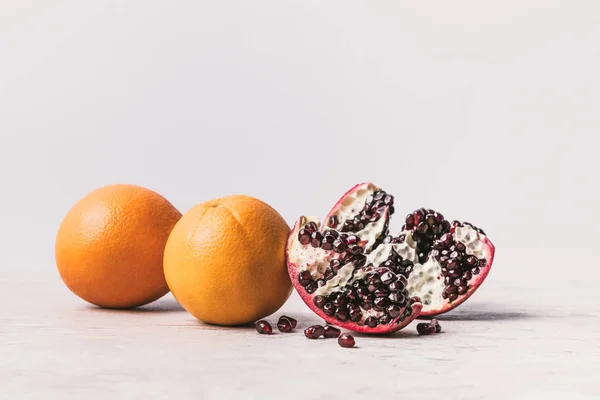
(505, 343)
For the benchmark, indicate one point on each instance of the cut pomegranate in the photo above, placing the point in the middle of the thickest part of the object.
(345, 273)
(454, 260)
(353, 274)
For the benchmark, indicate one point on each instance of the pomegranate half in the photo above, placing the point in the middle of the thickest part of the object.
(453, 260)
(345, 273)
(353, 274)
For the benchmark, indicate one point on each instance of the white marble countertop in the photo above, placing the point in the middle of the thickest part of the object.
(504, 343)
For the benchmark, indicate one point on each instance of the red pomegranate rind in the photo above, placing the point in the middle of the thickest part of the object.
(474, 284)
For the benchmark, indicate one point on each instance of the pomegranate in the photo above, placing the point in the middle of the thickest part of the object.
(345, 272)
(353, 274)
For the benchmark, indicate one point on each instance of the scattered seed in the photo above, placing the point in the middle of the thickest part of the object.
(263, 327)
(434, 322)
(425, 328)
(346, 340)
(331, 332)
(314, 331)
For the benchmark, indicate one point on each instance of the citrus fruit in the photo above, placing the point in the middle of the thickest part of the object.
(110, 246)
(225, 261)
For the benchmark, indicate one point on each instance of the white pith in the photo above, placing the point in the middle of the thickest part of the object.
(472, 240)
(427, 282)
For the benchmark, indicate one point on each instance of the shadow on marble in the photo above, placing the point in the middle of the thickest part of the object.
(159, 306)
(482, 314)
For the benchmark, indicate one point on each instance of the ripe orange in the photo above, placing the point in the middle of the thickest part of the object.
(110, 246)
(225, 261)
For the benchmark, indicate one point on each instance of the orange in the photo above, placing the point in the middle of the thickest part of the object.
(110, 246)
(225, 261)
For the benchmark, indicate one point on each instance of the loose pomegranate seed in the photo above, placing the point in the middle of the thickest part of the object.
(435, 323)
(314, 332)
(331, 332)
(264, 327)
(425, 328)
(293, 322)
(346, 340)
(286, 324)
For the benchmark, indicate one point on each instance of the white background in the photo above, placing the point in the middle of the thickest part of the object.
(488, 112)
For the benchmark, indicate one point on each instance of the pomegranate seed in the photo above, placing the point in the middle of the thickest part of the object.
(393, 311)
(331, 332)
(425, 328)
(346, 340)
(333, 221)
(304, 278)
(319, 301)
(286, 324)
(311, 287)
(435, 323)
(304, 236)
(314, 332)
(264, 327)
(315, 239)
(292, 321)
(339, 246)
(329, 309)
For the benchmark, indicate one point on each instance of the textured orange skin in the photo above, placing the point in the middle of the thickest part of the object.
(110, 246)
(225, 261)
